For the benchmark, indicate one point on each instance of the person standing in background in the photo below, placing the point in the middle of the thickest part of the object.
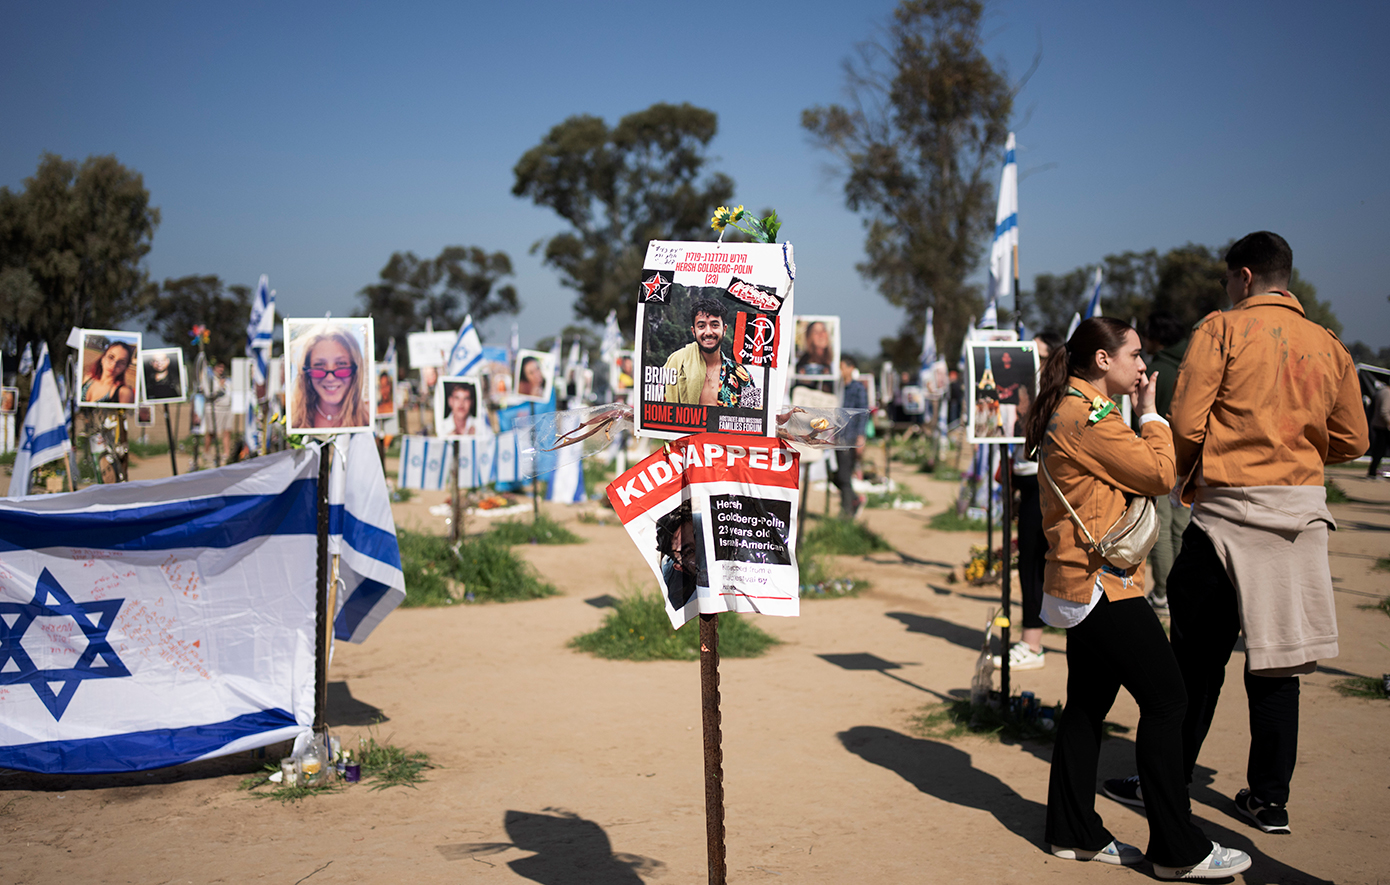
(1380, 428)
(853, 396)
(1166, 339)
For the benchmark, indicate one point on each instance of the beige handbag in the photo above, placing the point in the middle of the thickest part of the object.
(1131, 537)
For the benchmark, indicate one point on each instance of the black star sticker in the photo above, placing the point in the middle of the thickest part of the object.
(16, 666)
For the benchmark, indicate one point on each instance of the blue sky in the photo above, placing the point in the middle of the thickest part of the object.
(310, 141)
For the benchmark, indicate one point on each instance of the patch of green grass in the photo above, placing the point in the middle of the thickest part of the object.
(950, 521)
(598, 517)
(148, 450)
(1361, 687)
(842, 537)
(281, 793)
(541, 530)
(400, 496)
(946, 474)
(886, 500)
(818, 583)
(7, 458)
(597, 474)
(386, 765)
(482, 570)
(637, 629)
(1382, 564)
(1335, 495)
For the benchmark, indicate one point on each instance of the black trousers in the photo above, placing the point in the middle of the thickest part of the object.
(844, 480)
(1032, 550)
(1380, 441)
(1122, 644)
(1205, 622)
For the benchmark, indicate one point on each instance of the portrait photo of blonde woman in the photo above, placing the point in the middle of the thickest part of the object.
(329, 383)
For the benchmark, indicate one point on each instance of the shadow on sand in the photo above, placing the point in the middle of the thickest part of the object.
(568, 850)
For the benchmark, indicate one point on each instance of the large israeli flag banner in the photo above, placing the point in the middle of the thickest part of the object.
(151, 623)
(424, 463)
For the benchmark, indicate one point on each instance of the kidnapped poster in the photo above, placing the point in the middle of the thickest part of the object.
(713, 342)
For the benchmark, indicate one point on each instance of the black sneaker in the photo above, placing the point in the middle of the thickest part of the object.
(1124, 789)
(1270, 818)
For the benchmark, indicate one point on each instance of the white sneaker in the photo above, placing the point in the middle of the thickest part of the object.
(1021, 657)
(1116, 852)
(1220, 864)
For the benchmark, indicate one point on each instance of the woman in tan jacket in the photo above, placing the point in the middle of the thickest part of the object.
(1114, 638)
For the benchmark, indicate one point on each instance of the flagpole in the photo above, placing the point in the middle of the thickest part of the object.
(1007, 469)
(169, 429)
(321, 603)
(455, 531)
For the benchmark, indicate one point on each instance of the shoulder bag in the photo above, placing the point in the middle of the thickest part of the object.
(1131, 537)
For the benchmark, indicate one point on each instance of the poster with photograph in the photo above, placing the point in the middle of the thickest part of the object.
(1002, 381)
(713, 337)
(9, 400)
(329, 379)
(716, 523)
(817, 347)
(144, 416)
(458, 409)
(496, 371)
(535, 374)
(622, 374)
(110, 369)
(387, 418)
(429, 349)
(163, 378)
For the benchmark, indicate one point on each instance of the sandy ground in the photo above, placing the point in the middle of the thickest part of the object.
(556, 767)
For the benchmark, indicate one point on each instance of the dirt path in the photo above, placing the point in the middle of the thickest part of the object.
(556, 767)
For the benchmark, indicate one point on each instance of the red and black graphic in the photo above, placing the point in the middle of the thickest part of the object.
(654, 286)
(755, 340)
(761, 297)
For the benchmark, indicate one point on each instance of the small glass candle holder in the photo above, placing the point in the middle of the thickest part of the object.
(289, 772)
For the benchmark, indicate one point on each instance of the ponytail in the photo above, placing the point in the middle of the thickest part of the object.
(1077, 358)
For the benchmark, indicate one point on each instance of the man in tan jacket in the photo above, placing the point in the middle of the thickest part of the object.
(1265, 398)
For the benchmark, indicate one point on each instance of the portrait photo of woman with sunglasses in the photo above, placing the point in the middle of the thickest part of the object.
(330, 388)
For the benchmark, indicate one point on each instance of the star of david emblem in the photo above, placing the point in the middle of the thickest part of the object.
(97, 661)
(655, 288)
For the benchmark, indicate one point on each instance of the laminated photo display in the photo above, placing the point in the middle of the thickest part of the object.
(713, 337)
(715, 519)
(1003, 380)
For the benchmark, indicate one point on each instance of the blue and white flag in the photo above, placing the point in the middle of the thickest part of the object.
(566, 482)
(1003, 252)
(612, 338)
(1075, 321)
(991, 318)
(151, 623)
(26, 361)
(44, 436)
(390, 356)
(1093, 306)
(477, 461)
(424, 463)
(929, 341)
(363, 534)
(466, 356)
(508, 459)
(260, 330)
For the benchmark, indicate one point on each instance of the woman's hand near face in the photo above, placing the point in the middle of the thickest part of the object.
(1146, 393)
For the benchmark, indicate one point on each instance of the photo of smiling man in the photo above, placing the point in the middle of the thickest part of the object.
(704, 374)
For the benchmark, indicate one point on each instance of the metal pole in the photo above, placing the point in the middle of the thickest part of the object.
(321, 607)
(173, 446)
(888, 455)
(989, 508)
(455, 529)
(535, 480)
(1007, 468)
(714, 753)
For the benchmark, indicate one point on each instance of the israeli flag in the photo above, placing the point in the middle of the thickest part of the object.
(991, 318)
(424, 463)
(26, 362)
(1093, 306)
(508, 458)
(612, 338)
(44, 436)
(151, 623)
(260, 331)
(477, 462)
(567, 480)
(929, 341)
(1003, 251)
(466, 356)
(363, 534)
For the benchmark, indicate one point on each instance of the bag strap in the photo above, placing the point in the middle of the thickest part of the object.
(1042, 465)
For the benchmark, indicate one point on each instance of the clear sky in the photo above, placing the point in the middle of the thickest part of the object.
(311, 140)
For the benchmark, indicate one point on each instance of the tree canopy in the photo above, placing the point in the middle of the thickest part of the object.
(618, 188)
(1187, 281)
(72, 247)
(921, 141)
(203, 300)
(461, 280)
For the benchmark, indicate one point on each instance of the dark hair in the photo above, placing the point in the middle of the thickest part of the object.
(1052, 338)
(1078, 358)
(707, 306)
(847, 358)
(1164, 328)
(668, 525)
(1266, 254)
